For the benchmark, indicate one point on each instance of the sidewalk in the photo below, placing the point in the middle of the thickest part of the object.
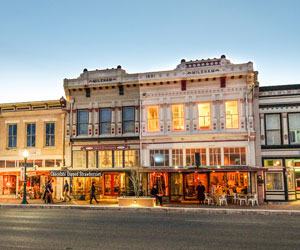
(289, 208)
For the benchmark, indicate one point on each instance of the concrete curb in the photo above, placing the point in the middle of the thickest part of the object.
(159, 209)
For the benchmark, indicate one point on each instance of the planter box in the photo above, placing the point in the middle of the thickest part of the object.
(136, 201)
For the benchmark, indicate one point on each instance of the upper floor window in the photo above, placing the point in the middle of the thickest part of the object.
(105, 159)
(50, 134)
(294, 128)
(214, 156)
(178, 117)
(128, 119)
(177, 157)
(153, 119)
(191, 159)
(159, 158)
(232, 114)
(234, 156)
(131, 158)
(204, 115)
(31, 130)
(273, 129)
(105, 120)
(12, 135)
(82, 122)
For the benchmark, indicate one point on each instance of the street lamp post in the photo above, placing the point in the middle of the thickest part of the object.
(25, 155)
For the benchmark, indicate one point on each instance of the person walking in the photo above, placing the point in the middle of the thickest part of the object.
(201, 193)
(66, 191)
(154, 192)
(93, 193)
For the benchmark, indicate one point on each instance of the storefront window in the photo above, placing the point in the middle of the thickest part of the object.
(178, 117)
(82, 122)
(159, 158)
(131, 158)
(10, 164)
(176, 185)
(128, 118)
(214, 156)
(204, 115)
(38, 163)
(49, 163)
(177, 157)
(153, 118)
(190, 156)
(105, 159)
(9, 184)
(292, 162)
(232, 114)
(274, 181)
(273, 129)
(234, 156)
(105, 121)
(118, 154)
(79, 159)
(2, 164)
(161, 181)
(294, 128)
(273, 163)
(191, 181)
(290, 179)
(92, 159)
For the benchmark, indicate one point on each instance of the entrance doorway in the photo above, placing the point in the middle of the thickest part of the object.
(112, 184)
(191, 181)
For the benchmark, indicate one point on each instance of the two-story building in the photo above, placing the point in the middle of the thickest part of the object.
(198, 124)
(37, 127)
(102, 130)
(279, 108)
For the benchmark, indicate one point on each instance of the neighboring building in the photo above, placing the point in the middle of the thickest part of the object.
(201, 113)
(102, 130)
(37, 127)
(279, 108)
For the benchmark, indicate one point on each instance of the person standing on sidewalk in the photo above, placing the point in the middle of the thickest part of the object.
(93, 193)
(201, 193)
(154, 192)
(66, 191)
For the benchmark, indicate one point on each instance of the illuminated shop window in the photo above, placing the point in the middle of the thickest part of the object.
(92, 159)
(178, 117)
(131, 158)
(232, 114)
(214, 156)
(79, 159)
(274, 181)
(105, 159)
(273, 129)
(50, 163)
(153, 118)
(2, 164)
(190, 156)
(177, 157)
(271, 163)
(159, 158)
(118, 157)
(204, 115)
(294, 128)
(234, 156)
(10, 164)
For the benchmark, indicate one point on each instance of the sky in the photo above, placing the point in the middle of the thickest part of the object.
(43, 42)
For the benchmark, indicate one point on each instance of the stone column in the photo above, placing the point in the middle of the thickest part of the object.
(262, 129)
(96, 122)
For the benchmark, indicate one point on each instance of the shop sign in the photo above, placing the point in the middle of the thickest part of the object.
(74, 173)
(105, 147)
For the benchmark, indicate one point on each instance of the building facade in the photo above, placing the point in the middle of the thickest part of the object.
(37, 127)
(102, 130)
(279, 108)
(198, 124)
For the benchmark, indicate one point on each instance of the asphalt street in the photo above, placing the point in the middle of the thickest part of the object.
(88, 229)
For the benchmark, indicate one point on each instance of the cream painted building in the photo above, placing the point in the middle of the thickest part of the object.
(39, 128)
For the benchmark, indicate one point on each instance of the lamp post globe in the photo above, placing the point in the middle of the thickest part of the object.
(25, 156)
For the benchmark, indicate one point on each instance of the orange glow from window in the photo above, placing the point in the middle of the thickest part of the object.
(232, 114)
(178, 117)
(204, 115)
(153, 118)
